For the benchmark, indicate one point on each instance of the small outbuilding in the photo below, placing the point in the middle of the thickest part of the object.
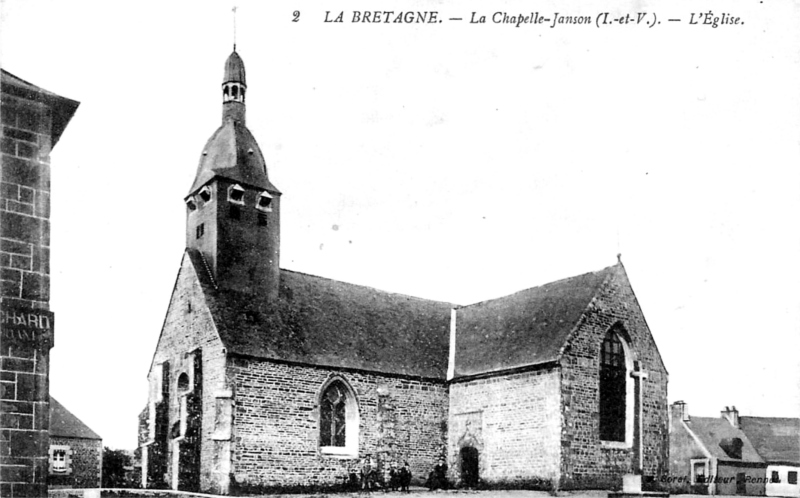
(76, 451)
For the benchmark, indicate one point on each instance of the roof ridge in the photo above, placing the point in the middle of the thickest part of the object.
(369, 287)
(794, 419)
(540, 286)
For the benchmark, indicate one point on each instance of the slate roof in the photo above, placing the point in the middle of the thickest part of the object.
(716, 433)
(775, 439)
(63, 107)
(526, 328)
(234, 69)
(232, 153)
(64, 424)
(325, 322)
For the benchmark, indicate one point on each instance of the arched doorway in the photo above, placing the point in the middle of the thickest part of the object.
(469, 466)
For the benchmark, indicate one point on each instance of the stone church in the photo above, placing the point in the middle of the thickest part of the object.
(268, 378)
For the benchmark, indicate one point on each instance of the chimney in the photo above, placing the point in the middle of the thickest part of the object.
(680, 411)
(731, 414)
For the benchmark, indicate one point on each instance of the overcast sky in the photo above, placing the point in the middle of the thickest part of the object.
(452, 161)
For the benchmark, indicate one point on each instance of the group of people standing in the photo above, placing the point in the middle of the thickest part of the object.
(399, 478)
(394, 477)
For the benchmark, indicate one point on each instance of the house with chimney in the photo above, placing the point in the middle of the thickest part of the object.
(777, 441)
(713, 455)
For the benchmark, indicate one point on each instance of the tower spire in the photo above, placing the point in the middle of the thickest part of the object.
(234, 26)
(234, 86)
(232, 210)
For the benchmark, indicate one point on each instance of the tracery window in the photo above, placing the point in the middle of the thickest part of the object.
(338, 419)
(333, 416)
(613, 388)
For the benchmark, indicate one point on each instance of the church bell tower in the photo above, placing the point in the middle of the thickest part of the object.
(232, 210)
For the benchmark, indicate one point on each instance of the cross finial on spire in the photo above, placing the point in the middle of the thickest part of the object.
(234, 26)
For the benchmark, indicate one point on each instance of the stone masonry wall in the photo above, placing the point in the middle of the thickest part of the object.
(85, 463)
(513, 421)
(156, 443)
(25, 203)
(587, 462)
(26, 325)
(276, 434)
(25, 340)
(190, 426)
(188, 328)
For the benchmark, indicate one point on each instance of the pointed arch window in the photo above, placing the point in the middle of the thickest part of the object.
(616, 390)
(333, 416)
(338, 419)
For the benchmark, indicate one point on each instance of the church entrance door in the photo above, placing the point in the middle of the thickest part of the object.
(469, 466)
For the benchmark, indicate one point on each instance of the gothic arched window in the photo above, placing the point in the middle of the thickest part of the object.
(338, 419)
(333, 416)
(613, 388)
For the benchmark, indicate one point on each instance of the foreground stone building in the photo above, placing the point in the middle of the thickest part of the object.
(265, 377)
(76, 451)
(33, 121)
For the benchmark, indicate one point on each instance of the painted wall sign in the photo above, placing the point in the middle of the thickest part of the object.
(26, 325)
